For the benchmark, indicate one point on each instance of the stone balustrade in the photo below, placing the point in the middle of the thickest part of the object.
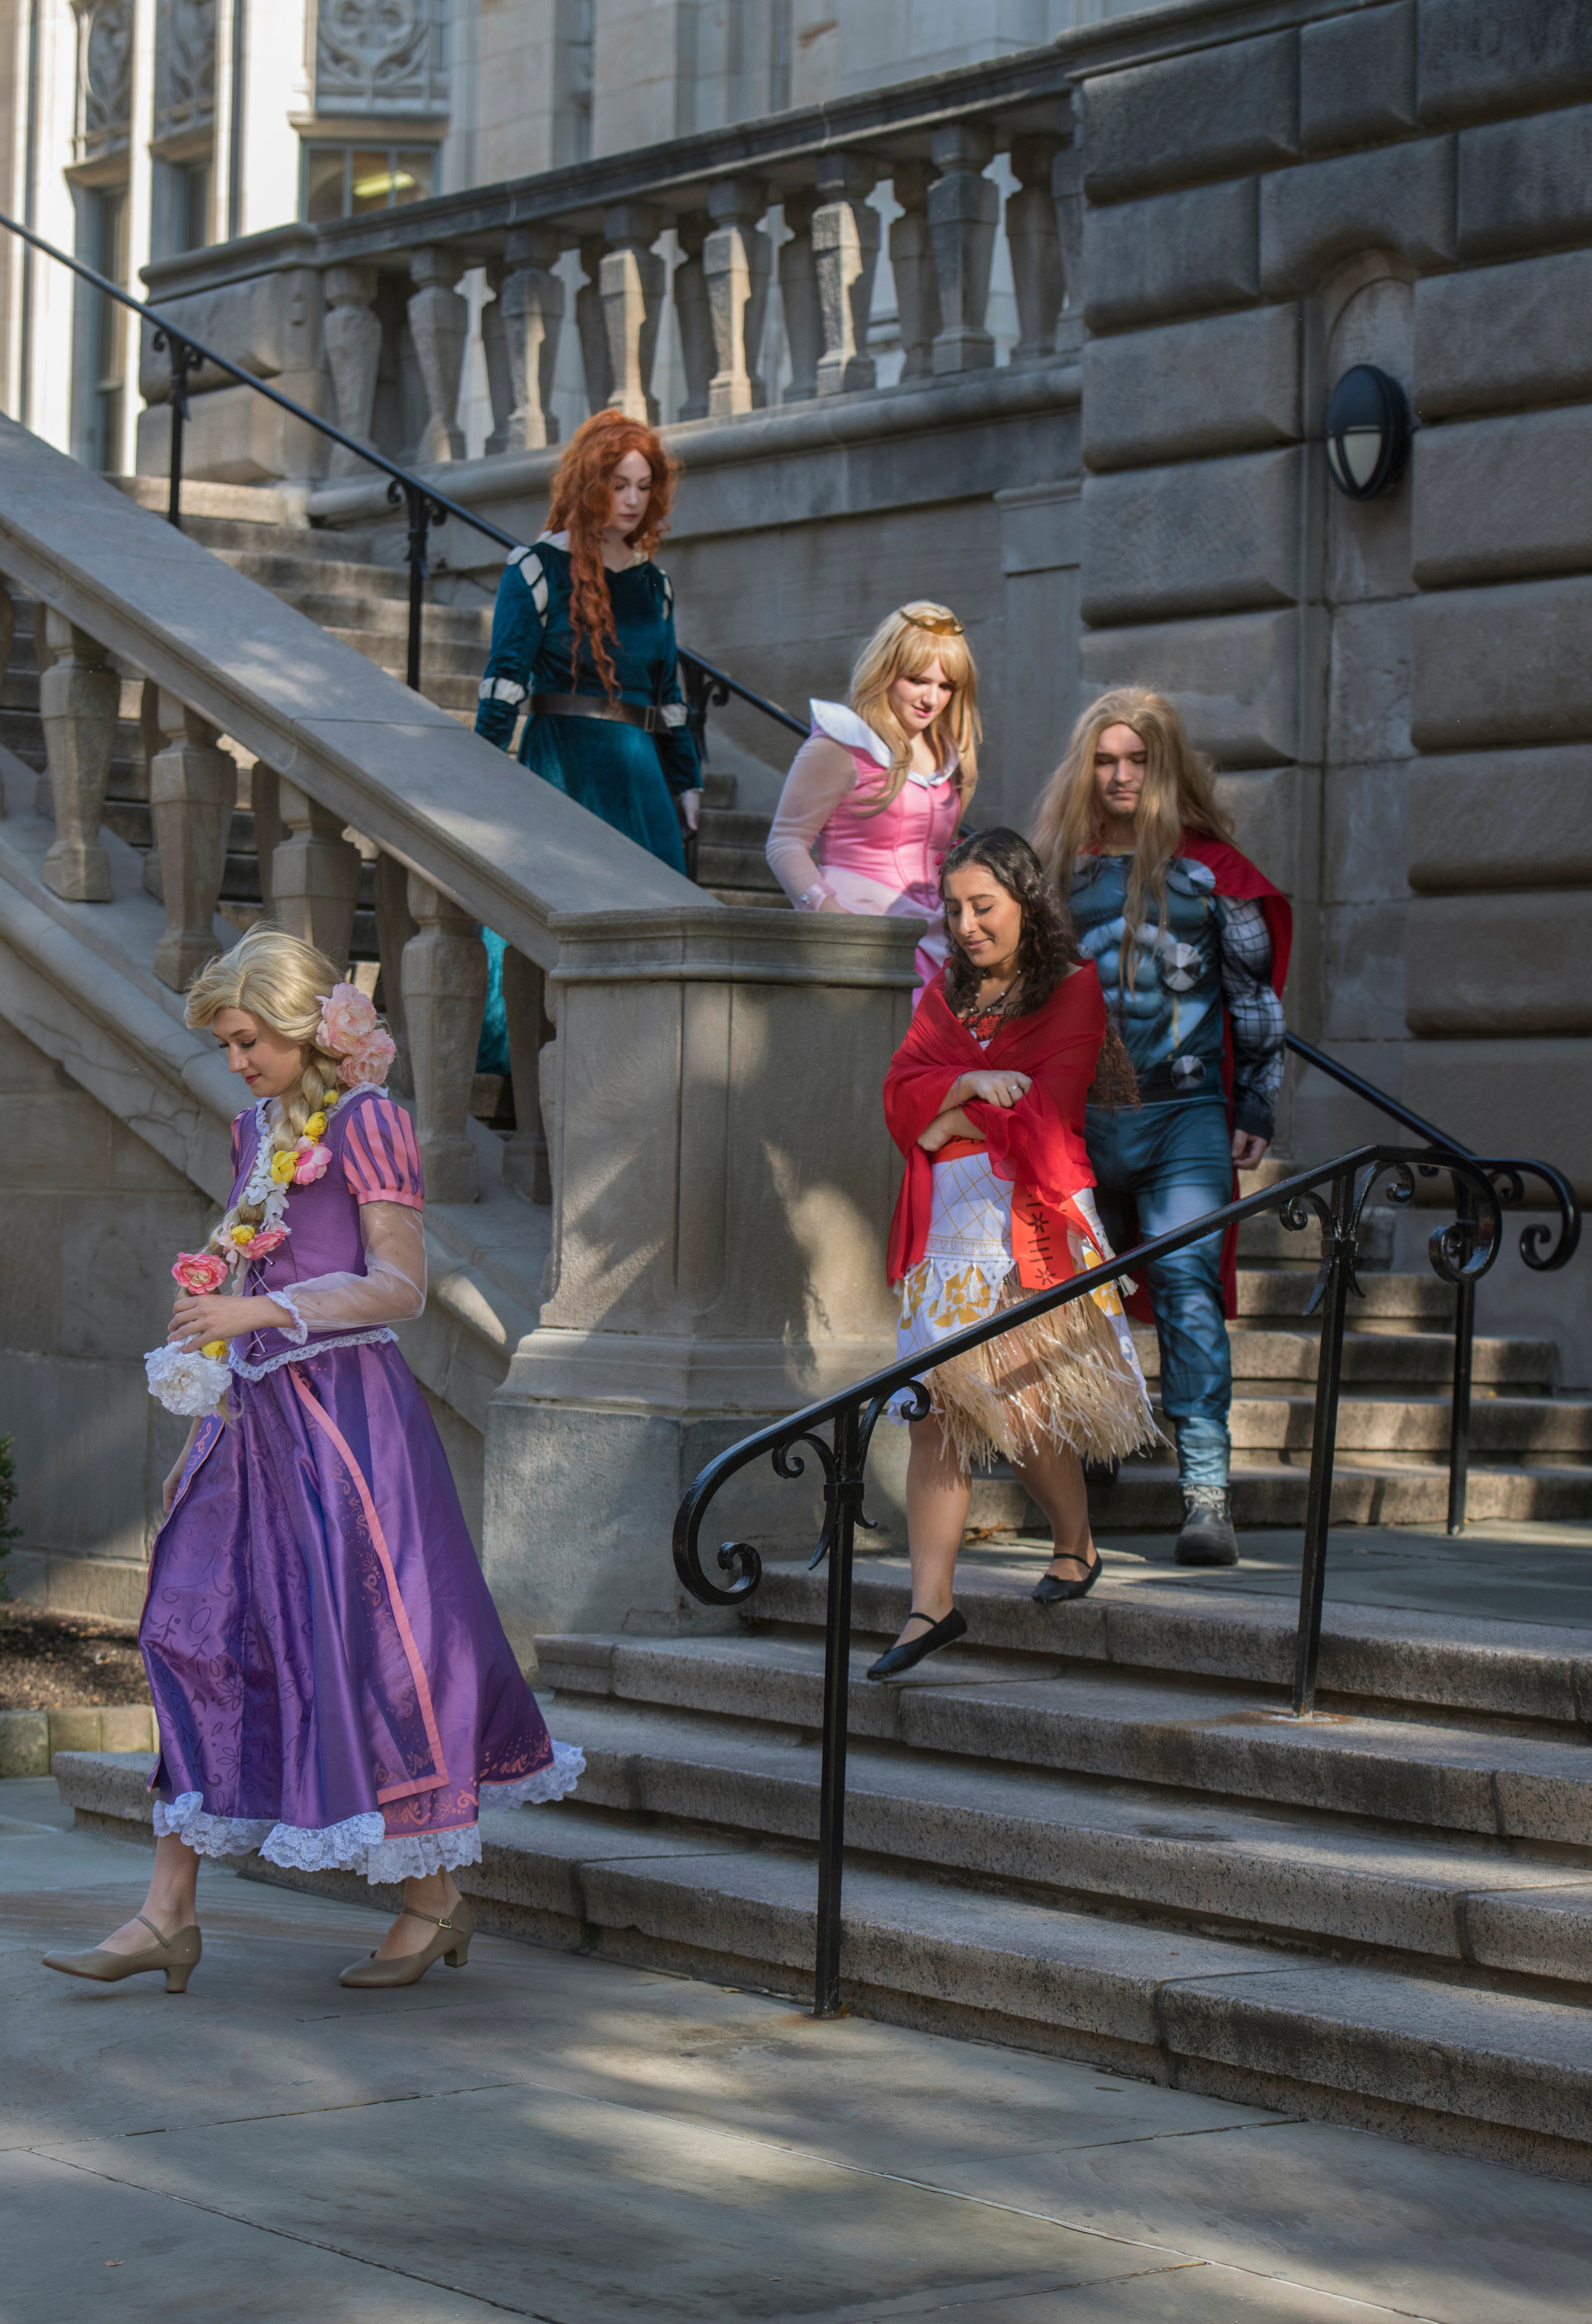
(783, 213)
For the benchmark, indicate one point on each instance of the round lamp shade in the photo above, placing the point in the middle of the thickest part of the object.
(1368, 432)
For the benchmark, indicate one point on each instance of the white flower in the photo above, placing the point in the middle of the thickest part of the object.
(186, 1382)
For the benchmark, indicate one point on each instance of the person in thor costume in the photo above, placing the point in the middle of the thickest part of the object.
(1131, 831)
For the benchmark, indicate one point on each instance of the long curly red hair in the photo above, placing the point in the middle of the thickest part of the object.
(582, 497)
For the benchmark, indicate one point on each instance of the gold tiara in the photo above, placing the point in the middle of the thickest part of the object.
(938, 625)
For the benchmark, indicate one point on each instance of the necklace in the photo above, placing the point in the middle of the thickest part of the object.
(992, 1012)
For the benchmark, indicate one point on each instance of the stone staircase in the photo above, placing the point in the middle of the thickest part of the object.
(1093, 1831)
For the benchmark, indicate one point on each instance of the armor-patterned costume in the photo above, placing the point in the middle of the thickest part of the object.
(1197, 1004)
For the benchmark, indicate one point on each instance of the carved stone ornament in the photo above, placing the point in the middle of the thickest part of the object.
(185, 66)
(379, 56)
(105, 73)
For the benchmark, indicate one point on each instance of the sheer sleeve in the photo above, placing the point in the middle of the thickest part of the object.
(392, 1290)
(821, 775)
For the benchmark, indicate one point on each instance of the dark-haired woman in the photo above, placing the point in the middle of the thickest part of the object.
(985, 1098)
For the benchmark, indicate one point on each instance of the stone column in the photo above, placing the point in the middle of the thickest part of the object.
(845, 252)
(351, 332)
(531, 312)
(439, 326)
(591, 327)
(963, 208)
(692, 313)
(1035, 250)
(735, 260)
(395, 924)
(443, 979)
(798, 296)
(632, 283)
(1067, 191)
(314, 874)
(80, 696)
(193, 788)
(525, 1154)
(912, 261)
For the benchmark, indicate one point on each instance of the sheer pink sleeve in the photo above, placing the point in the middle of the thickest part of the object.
(821, 775)
(392, 1290)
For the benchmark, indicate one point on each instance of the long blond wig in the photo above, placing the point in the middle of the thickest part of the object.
(902, 645)
(1177, 797)
(280, 980)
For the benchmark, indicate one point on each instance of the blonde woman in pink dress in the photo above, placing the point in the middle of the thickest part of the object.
(872, 802)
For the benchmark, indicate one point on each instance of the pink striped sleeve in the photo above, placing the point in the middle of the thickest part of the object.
(381, 1160)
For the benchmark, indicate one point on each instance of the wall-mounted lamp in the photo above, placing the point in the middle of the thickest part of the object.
(1368, 432)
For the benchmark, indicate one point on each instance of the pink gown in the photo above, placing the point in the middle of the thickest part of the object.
(822, 842)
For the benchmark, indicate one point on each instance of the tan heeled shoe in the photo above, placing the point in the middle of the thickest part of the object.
(178, 1955)
(451, 1943)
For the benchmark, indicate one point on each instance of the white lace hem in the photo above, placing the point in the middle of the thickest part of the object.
(208, 1835)
(303, 1355)
(554, 1783)
(414, 1855)
(284, 1298)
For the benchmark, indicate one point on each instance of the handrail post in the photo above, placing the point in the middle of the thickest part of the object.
(423, 514)
(844, 1491)
(1338, 1238)
(1464, 1359)
(184, 359)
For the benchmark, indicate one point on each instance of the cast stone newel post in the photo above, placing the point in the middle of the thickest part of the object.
(530, 311)
(314, 873)
(692, 315)
(912, 261)
(632, 279)
(591, 327)
(439, 326)
(735, 260)
(443, 976)
(351, 332)
(80, 696)
(798, 296)
(845, 251)
(1035, 250)
(193, 790)
(964, 205)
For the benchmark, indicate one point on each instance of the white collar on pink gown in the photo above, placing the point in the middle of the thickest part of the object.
(840, 723)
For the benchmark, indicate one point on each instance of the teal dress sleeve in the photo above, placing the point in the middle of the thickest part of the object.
(676, 745)
(517, 620)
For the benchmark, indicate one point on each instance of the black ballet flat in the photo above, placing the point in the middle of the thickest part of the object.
(1053, 1591)
(897, 1659)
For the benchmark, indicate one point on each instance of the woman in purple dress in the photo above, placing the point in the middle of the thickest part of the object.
(331, 1683)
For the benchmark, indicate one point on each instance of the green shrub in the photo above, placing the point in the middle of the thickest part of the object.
(8, 1533)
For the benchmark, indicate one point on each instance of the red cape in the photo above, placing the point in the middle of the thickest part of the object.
(1237, 877)
(1037, 1145)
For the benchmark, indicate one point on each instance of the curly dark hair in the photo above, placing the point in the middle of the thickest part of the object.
(1047, 948)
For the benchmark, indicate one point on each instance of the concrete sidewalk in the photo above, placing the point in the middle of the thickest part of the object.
(559, 2138)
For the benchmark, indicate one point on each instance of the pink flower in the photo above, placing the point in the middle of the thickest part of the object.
(268, 1240)
(311, 1163)
(371, 1060)
(347, 1017)
(199, 1272)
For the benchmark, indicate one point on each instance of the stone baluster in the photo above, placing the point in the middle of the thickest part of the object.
(444, 984)
(912, 261)
(494, 355)
(193, 790)
(314, 874)
(351, 333)
(692, 313)
(798, 295)
(735, 259)
(395, 924)
(964, 205)
(845, 251)
(530, 313)
(591, 327)
(265, 794)
(1035, 250)
(1067, 191)
(632, 279)
(79, 697)
(525, 1152)
(439, 327)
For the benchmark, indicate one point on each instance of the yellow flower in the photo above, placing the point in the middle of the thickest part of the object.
(283, 1167)
(242, 1237)
(214, 1348)
(315, 1127)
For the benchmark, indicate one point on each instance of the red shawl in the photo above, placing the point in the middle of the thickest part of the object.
(1037, 1145)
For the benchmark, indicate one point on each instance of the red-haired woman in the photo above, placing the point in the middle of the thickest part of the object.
(585, 634)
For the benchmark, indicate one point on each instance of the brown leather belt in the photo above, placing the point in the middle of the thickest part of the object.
(651, 721)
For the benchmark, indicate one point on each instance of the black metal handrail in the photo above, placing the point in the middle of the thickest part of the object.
(1512, 1171)
(706, 687)
(1460, 1254)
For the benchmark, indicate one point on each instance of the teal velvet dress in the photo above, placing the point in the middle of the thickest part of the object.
(630, 778)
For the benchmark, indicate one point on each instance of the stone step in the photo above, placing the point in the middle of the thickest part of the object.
(1366, 1491)
(1415, 1423)
(1196, 1734)
(1263, 1353)
(441, 657)
(359, 611)
(1282, 1292)
(1456, 2060)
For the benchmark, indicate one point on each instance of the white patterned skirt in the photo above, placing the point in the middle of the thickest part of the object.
(1070, 1380)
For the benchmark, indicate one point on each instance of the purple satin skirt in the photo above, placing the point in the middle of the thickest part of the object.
(331, 1681)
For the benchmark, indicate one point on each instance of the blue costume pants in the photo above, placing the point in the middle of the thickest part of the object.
(1170, 1162)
